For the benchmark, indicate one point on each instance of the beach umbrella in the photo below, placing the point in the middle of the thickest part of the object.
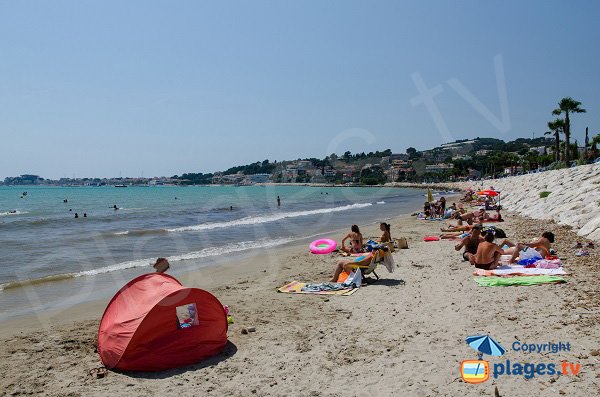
(484, 344)
(488, 193)
(429, 196)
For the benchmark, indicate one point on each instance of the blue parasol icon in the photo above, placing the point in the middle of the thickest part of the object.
(484, 344)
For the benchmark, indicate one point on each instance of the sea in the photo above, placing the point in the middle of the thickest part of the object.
(52, 260)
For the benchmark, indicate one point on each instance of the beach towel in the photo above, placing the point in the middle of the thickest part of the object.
(523, 280)
(295, 287)
(518, 271)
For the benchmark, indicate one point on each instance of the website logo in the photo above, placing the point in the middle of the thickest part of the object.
(478, 371)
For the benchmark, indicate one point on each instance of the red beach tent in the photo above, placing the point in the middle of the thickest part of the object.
(154, 323)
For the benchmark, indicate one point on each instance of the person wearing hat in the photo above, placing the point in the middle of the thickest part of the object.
(161, 265)
(470, 242)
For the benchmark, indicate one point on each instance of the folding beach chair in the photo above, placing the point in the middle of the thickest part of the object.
(369, 263)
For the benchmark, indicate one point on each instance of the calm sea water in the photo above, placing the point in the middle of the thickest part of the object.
(52, 258)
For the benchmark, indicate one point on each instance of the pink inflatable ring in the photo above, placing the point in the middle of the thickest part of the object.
(322, 246)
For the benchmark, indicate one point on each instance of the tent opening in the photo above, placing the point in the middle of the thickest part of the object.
(187, 316)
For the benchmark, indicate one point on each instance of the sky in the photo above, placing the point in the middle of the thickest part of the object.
(157, 88)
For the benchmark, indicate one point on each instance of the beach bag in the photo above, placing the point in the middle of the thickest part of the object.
(354, 279)
(402, 243)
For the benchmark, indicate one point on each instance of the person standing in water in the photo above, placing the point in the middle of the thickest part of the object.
(278, 201)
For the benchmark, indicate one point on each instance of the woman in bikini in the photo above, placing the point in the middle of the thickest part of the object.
(386, 237)
(356, 241)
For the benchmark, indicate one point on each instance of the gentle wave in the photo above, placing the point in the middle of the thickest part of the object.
(25, 283)
(206, 252)
(141, 232)
(254, 220)
(17, 212)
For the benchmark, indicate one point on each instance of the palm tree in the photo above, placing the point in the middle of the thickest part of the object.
(568, 105)
(556, 128)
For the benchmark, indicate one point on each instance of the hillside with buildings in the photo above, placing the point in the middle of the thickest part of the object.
(454, 161)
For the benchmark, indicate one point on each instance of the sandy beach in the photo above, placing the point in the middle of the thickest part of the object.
(404, 335)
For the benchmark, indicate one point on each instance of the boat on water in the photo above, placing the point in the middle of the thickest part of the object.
(120, 185)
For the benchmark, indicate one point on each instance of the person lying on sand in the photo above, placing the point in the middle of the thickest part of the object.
(456, 228)
(472, 217)
(497, 217)
(450, 235)
(470, 242)
(542, 245)
(488, 254)
(356, 241)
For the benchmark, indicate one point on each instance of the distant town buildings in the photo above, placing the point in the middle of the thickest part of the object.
(461, 159)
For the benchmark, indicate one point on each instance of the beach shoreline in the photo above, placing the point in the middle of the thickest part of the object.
(407, 330)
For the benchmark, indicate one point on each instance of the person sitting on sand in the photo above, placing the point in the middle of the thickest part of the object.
(488, 254)
(161, 265)
(356, 241)
(470, 242)
(386, 237)
(427, 209)
(542, 245)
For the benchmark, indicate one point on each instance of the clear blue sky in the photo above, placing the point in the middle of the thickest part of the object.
(95, 88)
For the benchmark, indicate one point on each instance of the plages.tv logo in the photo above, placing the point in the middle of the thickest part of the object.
(478, 371)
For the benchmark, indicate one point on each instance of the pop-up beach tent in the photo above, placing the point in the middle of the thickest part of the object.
(154, 323)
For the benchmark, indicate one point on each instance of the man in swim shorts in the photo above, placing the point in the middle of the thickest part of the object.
(470, 242)
(488, 254)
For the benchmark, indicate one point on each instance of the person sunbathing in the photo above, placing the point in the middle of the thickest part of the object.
(386, 237)
(541, 245)
(347, 265)
(470, 242)
(488, 254)
(451, 235)
(496, 217)
(356, 241)
(471, 217)
(456, 228)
